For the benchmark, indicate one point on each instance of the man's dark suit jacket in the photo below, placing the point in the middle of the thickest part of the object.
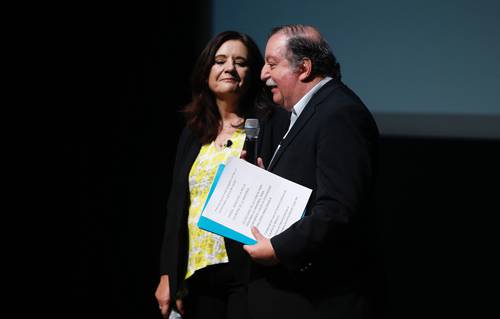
(331, 149)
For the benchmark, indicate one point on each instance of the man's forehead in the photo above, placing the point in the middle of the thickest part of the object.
(276, 46)
(279, 38)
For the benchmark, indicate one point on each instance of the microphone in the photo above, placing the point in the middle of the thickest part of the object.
(228, 143)
(252, 129)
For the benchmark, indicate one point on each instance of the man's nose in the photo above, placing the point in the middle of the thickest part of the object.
(264, 74)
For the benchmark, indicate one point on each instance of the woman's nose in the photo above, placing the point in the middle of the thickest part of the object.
(229, 66)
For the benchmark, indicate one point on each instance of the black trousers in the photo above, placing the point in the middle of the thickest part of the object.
(220, 291)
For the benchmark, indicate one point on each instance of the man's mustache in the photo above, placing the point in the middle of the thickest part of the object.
(270, 82)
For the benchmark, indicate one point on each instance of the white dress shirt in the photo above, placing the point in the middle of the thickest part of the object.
(299, 107)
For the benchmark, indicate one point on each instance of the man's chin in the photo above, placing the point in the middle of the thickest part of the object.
(278, 101)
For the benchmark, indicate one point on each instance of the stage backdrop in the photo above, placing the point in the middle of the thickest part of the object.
(425, 68)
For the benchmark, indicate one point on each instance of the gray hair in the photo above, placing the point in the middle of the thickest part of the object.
(306, 42)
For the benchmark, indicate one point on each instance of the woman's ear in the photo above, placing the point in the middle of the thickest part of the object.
(305, 69)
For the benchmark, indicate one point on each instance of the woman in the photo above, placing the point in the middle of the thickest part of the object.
(205, 273)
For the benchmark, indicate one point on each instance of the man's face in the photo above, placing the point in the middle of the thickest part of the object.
(230, 69)
(279, 74)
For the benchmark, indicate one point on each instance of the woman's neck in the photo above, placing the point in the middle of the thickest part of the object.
(228, 114)
(230, 121)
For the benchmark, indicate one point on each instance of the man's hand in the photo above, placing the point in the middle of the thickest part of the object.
(263, 251)
(243, 155)
(260, 162)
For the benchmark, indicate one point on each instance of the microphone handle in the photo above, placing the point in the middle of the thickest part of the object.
(256, 151)
(251, 146)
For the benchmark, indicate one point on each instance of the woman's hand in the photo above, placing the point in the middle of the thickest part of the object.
(162, 295)
(180, 306)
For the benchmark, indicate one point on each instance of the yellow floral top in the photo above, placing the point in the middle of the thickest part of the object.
(206, 248)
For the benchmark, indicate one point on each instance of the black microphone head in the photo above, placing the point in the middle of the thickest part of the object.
(229, 143)
(252, 129)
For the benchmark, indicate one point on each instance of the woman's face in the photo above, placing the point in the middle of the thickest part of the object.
(230, 69)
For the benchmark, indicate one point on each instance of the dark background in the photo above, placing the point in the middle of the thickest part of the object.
(437, 199)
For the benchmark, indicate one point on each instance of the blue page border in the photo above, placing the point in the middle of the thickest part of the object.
(214, 227)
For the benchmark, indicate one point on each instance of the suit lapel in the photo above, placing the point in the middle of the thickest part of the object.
(304, 117)
(297, 126)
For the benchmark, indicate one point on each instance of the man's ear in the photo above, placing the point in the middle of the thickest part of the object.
(305, 69)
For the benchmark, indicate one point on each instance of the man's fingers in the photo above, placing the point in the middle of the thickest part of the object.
(260, 162)
(257, 234)
(243, 155)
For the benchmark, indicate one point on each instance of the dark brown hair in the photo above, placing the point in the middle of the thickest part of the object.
(202, 114)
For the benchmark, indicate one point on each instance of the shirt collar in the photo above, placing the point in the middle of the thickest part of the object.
(301, 104)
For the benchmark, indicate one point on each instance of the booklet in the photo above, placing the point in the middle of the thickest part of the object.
(243, 195)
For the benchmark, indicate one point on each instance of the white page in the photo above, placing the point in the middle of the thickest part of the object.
(246, 195)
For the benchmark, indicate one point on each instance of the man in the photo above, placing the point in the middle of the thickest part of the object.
(327, 142)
